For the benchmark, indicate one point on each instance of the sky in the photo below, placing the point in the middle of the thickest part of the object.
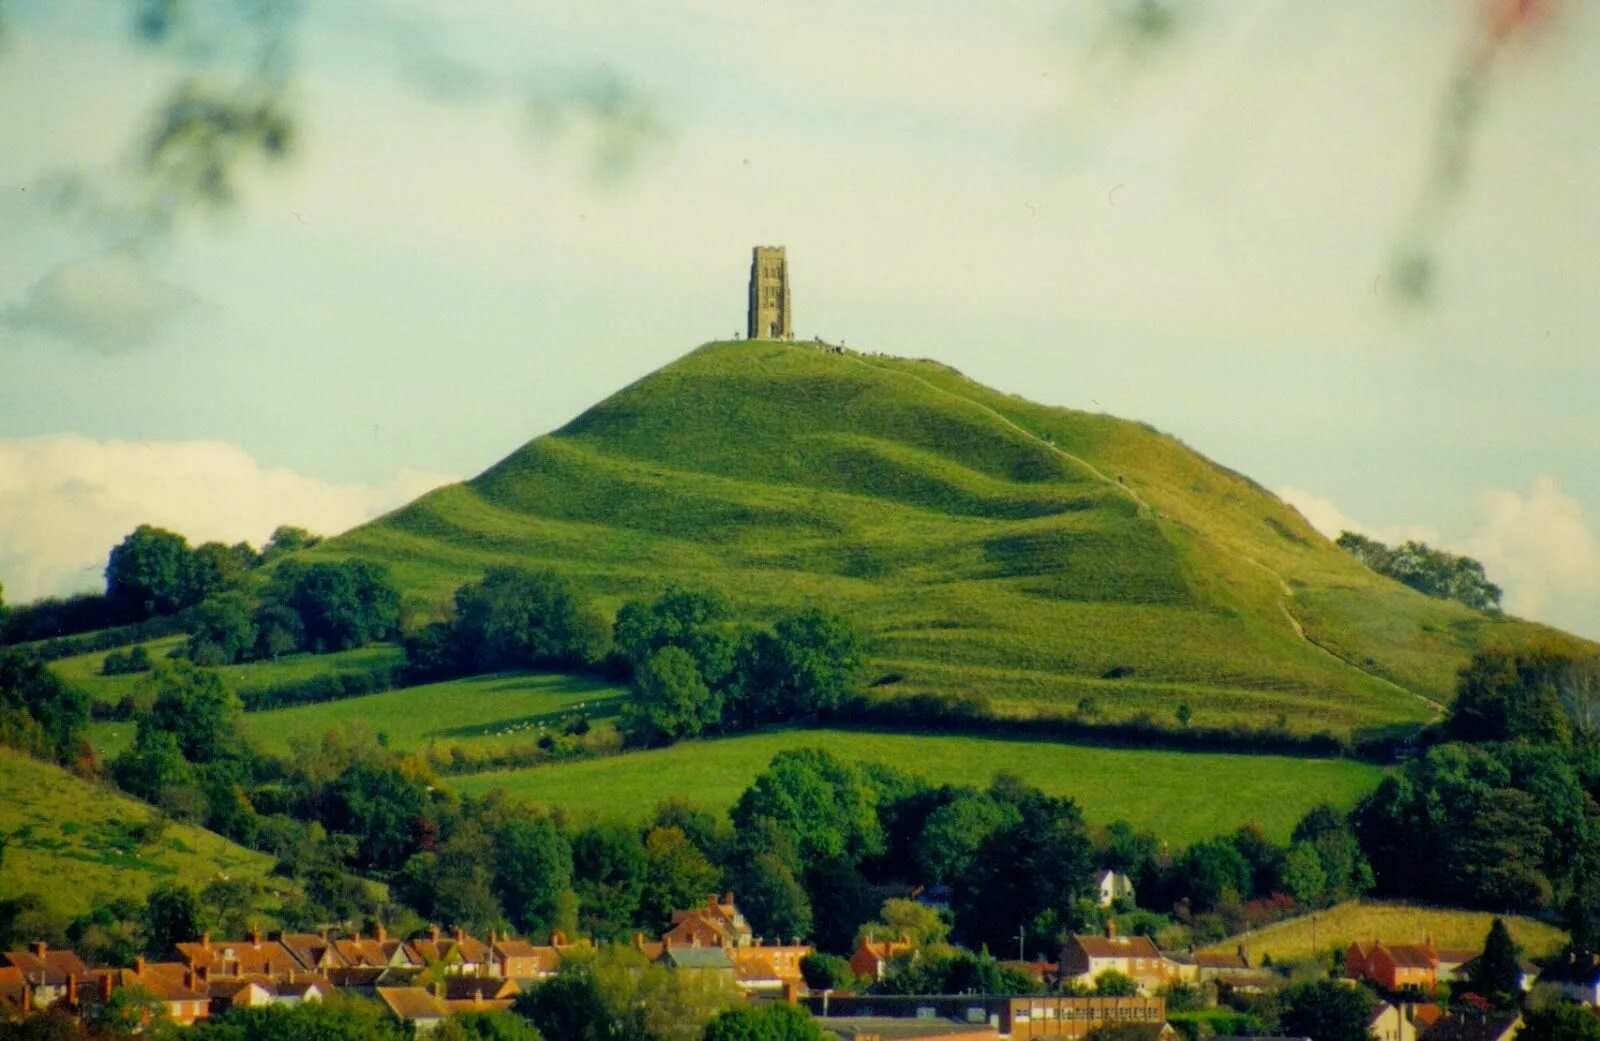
(1196, 213)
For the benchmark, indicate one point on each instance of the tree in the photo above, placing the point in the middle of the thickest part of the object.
(171, 916)
(461, 879)
(279, 630)
(772, 896)
(515, 618)
(215, 568)
(287, 539)
(486, 1026)
(1303, 875)
(1326, 1010)
(608, 866)
(813, 663)
(825, 804)
(533, 873)
(147, 572)
(1560, 1021)
(1512, 694)
(824, 971)
(907, 918)
(952, 834)
(380, 805)
(1211, 870)
(670, 699)
(677, 876)
(194, 706)
(615, 993)
(1497, 974)
(39, 714)
(344, 605)
(221, 630)
(776, 1021)
(1429, 571)
(1037, 865)
(689, 619)
(1114, 984)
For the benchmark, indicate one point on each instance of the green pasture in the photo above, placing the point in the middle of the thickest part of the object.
(1180, 796)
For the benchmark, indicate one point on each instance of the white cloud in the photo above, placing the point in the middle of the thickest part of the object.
(107, 304)
(65, 500)
(1537, 546)
(1330, 520)
(1544, 551)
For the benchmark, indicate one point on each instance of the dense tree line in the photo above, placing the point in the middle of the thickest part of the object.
(39, 714)
(1431, 572)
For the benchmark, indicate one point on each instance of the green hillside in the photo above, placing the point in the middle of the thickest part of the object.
(1043, 557)
(1180, 796)
(77, 844)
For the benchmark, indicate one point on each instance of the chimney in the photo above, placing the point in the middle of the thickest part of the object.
(1111, 930)
(727, 898)
(558, 938)
(638, 941)
(205, 939)
(379, 932)
(38, 947)
(255, 938)
(460, 935)
(493, 939)
(138, 965)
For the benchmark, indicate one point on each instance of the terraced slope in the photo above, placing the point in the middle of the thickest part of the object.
(1046, 558)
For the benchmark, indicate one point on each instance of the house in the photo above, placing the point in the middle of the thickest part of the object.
(414, 1005)
(1016, 1018)
(314, 951)
(710, 960)
(1137, 957)
(520, 960)
(1390, 1023)
(885, 1028)
(455, 953)
(1474, 1026)
(717, 924)
(477, 994)
(1465, 970)
(872, 957)
(49, 976)
(1394, 967)
(226, 994)
(1231, 970)
(768, 969)
(182, 993)
(379, 951)
(1111, 886)
(1578, 978)
(253, 956)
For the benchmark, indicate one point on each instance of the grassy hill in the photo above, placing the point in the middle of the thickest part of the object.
(83, 670)
(1180, 796)
(1043, 557)
(77, 844)
(1392, 922)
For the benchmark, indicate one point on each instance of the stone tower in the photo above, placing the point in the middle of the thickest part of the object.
(770, 317)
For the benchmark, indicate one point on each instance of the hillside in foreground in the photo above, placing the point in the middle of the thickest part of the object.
(1048, 559)
(78, 845)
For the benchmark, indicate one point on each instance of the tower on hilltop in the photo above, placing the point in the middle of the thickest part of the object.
(770, 317)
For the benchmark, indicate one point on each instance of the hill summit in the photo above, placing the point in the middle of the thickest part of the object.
(1047, 559)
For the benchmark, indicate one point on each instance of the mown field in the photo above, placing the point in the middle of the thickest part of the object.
(1392, 922)
(77, 844)
(83, 671)
(1180, 796)
(481, 711)
(1046, 559)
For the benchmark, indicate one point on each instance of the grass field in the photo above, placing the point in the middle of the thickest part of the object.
(1367, 920)
(77, 844)
(1181, 796)
(486, 711)
(83, 671)
(990, 545)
